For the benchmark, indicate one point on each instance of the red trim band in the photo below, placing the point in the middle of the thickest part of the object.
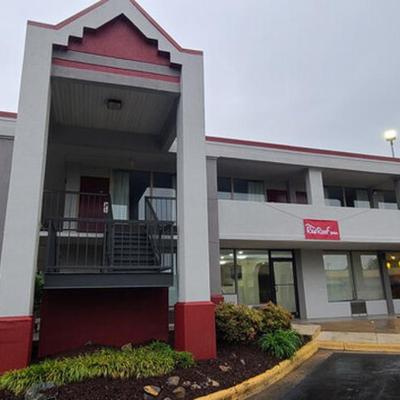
(6, 114)
(15, 342)
(113, 70)
(100, 3)
(299, 149)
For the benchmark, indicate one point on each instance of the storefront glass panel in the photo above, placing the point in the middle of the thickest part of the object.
(392, 265)
(227, 265)
(253, 277)
(284, 284)
(338, 276)
(367, 276)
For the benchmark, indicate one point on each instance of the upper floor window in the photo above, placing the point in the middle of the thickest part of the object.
(244, 189)
(301, 198)
(385, 199)
(277, 196)
(224, 188)
(358, 198)
(337, 196)
(334, 196)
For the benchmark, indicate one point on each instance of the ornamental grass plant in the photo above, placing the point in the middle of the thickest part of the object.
(152, 360)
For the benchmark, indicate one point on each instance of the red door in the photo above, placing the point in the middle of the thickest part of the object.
(93, 202)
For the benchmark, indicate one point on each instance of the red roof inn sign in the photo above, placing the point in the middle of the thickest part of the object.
(316, 229)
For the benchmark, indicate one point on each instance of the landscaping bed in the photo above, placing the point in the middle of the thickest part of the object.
(241, 362)
(250, 342)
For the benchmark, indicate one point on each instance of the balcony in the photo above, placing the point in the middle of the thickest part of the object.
(87, 248)
(282, 225)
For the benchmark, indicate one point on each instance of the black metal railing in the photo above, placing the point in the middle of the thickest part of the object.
(70, 204)
(83, 237)
(87, 245)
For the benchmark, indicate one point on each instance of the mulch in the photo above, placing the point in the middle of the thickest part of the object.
(243, 362)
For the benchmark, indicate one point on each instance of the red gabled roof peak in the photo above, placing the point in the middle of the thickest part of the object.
(87, 10)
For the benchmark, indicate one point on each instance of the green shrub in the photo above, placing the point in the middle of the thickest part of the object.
(183, 359)
(142, 362)
(238, 323)
(281, 343)
(39, 283)
(275, 317)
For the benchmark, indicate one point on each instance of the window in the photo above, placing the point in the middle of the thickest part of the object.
(367, 276)
(392, 265)
(259, 276)
(224, 188)
(334, 196)
(228, 280)
(357, 198)
(277, 196)
(338, 276)
(301, 198)
(120, 195)
(163, 194)
(351, 276)
(385, 199)
(163, 185)
(139, 189)
(248, 190)
(253, 276)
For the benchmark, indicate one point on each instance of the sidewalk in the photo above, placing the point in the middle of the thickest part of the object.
(380, 334)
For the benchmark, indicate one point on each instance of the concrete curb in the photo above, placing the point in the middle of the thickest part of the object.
(260, 382)
(356, 346)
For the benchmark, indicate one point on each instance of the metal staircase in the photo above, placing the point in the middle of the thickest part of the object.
(133, 248)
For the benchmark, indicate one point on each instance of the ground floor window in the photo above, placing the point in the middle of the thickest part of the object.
(259, 276)
(392, 264)
(353, 276)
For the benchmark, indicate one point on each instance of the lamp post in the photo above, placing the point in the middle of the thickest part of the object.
(390, 136)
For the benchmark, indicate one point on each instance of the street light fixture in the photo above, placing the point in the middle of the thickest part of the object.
(390, 136)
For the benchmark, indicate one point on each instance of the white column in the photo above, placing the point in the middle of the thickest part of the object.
(21, 231)
(315, 187)
(213, 226)
(193, 259)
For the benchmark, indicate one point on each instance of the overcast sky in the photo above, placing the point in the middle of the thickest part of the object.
(320, 73)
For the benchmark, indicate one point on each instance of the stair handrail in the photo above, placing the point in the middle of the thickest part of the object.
(153, 228)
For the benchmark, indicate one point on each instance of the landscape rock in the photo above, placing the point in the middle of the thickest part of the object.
(35, 392)
(186, 384)
(179, 392)
(212, 382)
(242, 361)
(152, 390)
(173, 381)
(225, 368)
(195, 386)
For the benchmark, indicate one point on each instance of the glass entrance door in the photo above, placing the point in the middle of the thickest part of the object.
(284, 284)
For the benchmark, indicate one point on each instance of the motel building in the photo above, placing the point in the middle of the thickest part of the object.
(110, 188)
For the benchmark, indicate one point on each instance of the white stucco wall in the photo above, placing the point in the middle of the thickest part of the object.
(283, 223)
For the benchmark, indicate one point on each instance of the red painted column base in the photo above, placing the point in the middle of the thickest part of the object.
(217, 298)
(15, 342)
(195, 329)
